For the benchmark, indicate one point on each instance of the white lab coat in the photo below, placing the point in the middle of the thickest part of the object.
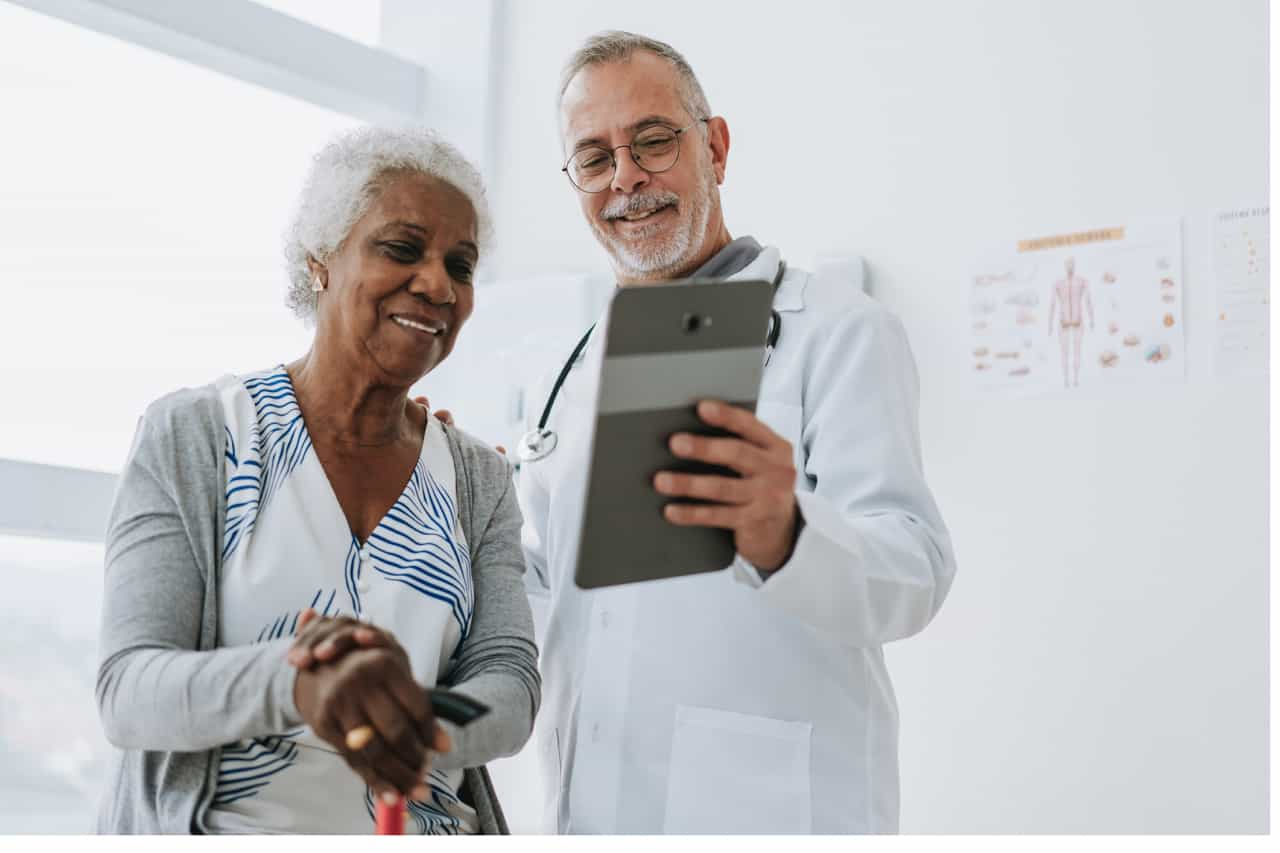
(715, 702)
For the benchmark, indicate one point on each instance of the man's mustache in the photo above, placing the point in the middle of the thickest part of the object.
(638, 203)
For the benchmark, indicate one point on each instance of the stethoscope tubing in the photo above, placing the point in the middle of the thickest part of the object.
(539, 442)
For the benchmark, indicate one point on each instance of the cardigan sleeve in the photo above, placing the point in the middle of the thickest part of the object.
(498, 661)
(155, 689)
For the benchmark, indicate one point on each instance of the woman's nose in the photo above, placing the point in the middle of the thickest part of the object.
(433, 282)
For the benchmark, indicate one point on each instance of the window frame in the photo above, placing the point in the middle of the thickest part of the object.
(259, 45)
(249, 42)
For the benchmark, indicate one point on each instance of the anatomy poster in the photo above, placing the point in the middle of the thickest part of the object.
(1082, 309)
(1240, 245)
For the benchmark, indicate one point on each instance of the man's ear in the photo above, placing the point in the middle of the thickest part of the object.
(718, 139)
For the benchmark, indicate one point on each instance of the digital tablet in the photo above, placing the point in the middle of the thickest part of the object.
(666, 347)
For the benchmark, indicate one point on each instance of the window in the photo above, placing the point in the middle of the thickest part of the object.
(52, 750)
(140, 233)
(142, 201)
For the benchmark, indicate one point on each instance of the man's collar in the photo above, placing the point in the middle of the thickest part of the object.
(790, 295)
(733, 258)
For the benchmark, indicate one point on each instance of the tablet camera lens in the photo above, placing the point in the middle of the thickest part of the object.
(693, 322)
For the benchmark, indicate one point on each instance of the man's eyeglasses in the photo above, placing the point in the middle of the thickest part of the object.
(654, 149)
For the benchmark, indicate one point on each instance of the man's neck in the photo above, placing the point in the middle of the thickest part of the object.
(721, 239)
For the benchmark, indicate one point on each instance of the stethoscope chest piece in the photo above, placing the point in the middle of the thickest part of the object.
(536, 444)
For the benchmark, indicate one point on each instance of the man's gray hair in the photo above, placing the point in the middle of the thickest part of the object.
(617, 46)
(344, 180)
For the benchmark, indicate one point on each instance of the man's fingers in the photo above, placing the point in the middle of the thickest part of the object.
(732, 453)
(703, 515)
(306, 616)
(442, 415)
(738, 421)
(725, 490)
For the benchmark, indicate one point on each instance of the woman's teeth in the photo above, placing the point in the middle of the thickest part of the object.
(419, 326)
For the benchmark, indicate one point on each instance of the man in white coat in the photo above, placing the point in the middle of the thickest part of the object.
(755, 699)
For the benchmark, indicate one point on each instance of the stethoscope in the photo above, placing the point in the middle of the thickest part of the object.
(538, 443)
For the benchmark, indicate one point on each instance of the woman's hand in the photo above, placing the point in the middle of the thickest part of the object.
(369, 692)
(324, 639)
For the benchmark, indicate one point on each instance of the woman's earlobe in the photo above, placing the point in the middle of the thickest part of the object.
(318, 280)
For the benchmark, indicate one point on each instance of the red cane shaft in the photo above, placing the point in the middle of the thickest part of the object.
(390, 818)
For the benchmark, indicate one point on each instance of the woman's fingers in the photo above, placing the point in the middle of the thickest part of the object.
(327, 639)
(396, 749)
(340, 728)
(365, 702)
(373, 760)
(416, 702)
(359, 737)
(347, 637)
(309, 633)
(395, 709)
(352, 730)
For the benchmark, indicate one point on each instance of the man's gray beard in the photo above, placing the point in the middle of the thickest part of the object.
(650, 260)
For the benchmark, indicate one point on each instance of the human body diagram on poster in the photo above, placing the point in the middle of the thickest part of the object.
(1110, 300)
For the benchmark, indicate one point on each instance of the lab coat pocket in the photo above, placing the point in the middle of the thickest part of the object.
(736, 773)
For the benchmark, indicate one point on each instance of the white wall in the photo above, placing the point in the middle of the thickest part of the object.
(1101, 665)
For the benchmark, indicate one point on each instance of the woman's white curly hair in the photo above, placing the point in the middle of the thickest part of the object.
(343, 182)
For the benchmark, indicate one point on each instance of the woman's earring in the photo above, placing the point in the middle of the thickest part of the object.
(317, 285)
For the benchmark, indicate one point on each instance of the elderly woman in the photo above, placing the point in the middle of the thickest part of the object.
(317, 492)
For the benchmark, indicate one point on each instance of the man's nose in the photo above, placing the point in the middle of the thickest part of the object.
(628, 176)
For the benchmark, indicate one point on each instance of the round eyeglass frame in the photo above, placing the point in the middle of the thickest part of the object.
(679, 132)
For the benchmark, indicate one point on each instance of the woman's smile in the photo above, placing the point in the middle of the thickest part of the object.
(421, 324)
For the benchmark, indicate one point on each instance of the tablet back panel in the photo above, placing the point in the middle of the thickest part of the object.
(667, 347)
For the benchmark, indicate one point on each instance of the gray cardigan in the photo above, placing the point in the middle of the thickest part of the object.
(169, 697)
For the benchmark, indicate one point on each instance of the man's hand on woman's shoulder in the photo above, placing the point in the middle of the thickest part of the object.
(446, 417)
